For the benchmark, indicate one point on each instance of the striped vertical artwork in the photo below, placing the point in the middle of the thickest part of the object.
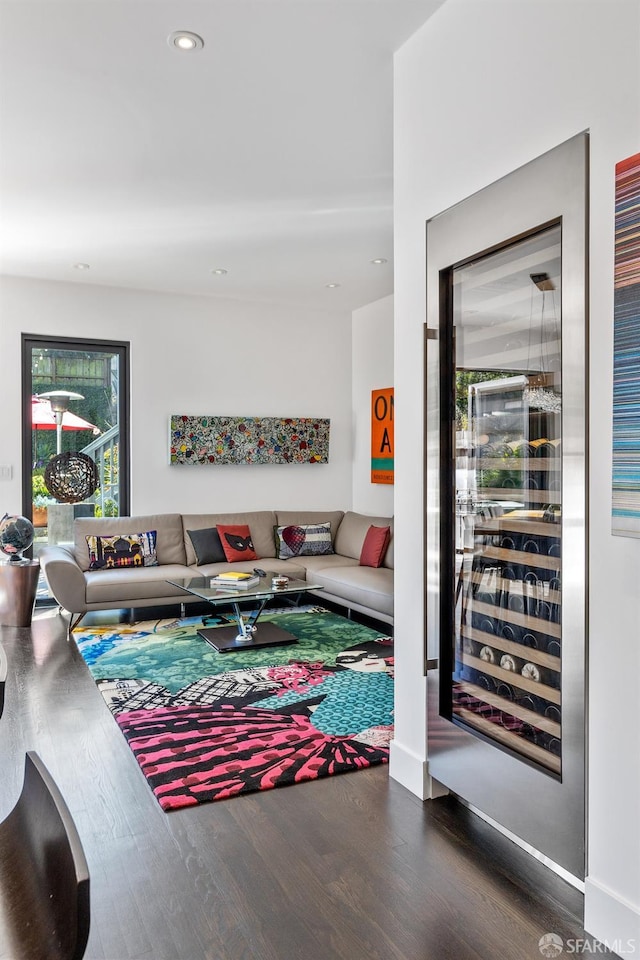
(626, 351)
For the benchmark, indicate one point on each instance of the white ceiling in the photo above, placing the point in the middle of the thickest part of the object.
(267, 153)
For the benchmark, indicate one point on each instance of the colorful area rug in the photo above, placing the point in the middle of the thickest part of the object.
(205, 726)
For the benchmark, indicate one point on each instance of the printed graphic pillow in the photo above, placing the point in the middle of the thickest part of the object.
(237, 543)
(122, 550)
(305, 540)
(207, 545)
(375, 546)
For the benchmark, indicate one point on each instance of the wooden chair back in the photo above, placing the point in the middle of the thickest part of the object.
(44, 878)
(3, 677)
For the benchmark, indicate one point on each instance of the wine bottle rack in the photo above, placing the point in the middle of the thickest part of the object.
(508, 644)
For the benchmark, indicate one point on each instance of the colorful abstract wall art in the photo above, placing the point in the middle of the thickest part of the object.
(626, 351)
(248, 440)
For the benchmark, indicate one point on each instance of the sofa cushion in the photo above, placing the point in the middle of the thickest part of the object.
(121, 588)
(260, 522)
(375, 546)
(168, 527)
(288, 518)
(271, 566)
(207, 545)
(304, 540)
(333, 560)
(236, 541)
(353, 530)
(122, 551)
(365, 586)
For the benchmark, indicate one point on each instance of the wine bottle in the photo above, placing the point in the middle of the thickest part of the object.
(531, 701)
(552, 712)
(504, 690)
(487, 654)
(507, 662)
(545, 449)
(510, 632)
(526, 450)
(517, 603)
(531, 671)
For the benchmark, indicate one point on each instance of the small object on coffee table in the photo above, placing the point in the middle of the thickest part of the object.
(227, 582)
(279, 582)
(234, 576)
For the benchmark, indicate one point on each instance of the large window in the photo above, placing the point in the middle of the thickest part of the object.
(75, 451)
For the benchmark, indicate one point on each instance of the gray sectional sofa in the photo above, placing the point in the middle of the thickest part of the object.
(367, 590)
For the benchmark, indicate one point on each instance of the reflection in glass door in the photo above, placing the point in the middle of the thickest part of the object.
(75, 445)
(506, 501)
(507, 631)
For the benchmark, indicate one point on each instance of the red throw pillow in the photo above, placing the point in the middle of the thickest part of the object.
(375, 546)
(237, 543)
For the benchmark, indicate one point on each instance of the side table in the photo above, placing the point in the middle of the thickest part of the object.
(18, 586)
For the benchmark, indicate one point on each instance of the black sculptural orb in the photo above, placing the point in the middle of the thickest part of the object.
(71, 477)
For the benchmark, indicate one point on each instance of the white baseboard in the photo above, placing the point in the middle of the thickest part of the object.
(412, 772)
(613, 921)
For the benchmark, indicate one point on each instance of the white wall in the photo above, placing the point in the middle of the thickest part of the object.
(195, 355)
(484, 87)
(372, 368)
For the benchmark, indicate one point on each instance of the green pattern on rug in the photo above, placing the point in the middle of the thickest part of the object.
(171, 654)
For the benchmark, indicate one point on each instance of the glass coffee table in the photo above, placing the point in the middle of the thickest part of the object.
(246, 633)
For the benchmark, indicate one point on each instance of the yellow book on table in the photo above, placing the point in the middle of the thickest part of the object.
(234, 575)
(234, 581)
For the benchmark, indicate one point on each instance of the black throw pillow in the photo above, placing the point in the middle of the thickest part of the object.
(207, 545)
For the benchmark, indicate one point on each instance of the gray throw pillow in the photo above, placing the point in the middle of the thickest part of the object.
(207, 545)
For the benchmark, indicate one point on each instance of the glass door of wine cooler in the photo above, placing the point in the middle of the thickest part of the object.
(506, 503)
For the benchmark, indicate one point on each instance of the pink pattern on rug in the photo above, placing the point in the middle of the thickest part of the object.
(297, 676)
(194, 754)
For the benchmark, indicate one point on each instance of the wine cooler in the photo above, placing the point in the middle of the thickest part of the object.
(506, 501)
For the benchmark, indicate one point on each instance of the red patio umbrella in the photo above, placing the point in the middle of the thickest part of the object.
(43, 418)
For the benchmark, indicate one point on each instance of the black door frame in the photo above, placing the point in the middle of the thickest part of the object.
(29, 341)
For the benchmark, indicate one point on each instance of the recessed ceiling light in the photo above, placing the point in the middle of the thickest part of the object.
(378, 260)
(185, 40)
(219, 272)
(331, 286)
(82, 266)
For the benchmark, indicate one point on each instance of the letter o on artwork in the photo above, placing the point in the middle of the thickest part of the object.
(380, 402)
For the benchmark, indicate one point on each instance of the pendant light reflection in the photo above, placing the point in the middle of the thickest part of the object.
(538, 394)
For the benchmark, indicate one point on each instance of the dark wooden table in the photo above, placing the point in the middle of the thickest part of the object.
(18, 585)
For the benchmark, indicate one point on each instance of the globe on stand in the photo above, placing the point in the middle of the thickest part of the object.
(16, 536)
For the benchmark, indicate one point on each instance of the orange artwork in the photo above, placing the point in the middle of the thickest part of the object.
(382, 436)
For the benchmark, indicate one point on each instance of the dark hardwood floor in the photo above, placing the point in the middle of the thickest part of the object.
(347, 867)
